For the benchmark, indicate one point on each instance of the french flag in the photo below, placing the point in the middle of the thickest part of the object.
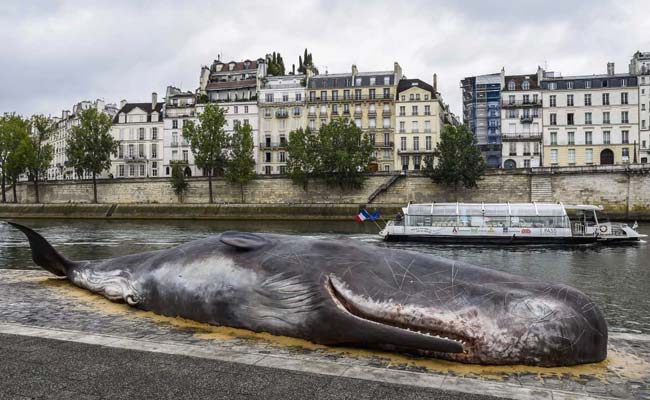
(365, 215)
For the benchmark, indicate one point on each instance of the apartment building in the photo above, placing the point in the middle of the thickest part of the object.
(139, 128)
(482, 113)
(590, 120)
(419, 120)
(521, 120)
(367, 98)
(640, 67)
(281, 110)
(179, 107)
(60, 167)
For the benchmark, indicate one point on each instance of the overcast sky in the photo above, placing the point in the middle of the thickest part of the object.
(56, 53)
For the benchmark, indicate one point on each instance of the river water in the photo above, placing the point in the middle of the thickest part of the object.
(616, 277)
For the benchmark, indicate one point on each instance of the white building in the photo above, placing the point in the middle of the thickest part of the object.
(640, 66)
(179, 107)
(281, 110)
(590, 120)
(139, 129)
(521, 120)
(59, 167)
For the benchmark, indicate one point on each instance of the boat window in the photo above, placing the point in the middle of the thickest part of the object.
(444, 220)
(442, 209)
(534, 221)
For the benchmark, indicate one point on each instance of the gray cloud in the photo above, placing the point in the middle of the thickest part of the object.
(57, 53)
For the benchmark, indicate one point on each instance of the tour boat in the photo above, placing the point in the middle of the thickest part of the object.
(491, 223)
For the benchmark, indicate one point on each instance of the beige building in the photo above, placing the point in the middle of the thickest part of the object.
(419, 120)
(281, 110)
(367, 98)
(590, 120)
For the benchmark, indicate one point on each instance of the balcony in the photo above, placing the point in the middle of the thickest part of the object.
(134, 158)
(372, 113)
(175, 144)
(507, 136)
(384, 144)
(274, 145)
(312, 114)
(318, 99)
(357, 114)
(526, 119)
(521, 103)
(414, 151)
(386, 113)
(281, 114)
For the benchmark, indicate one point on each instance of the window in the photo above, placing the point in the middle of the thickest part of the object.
(427, 142)
(569, 100)
(371, 93)
(625, 137)
(625, 117)
(267, 170)
(357, 122)
(335, 109)
(154, 168)
(553, 156)
(185, 155)
(140, 133)
(552, 85)
(427, 126)
(414, 110)
(267, 156)
(536, 148)
(131, 170)
(386, 80)
(120, 170)
(552, 101)
(624, 98)
(605, 98)
(154, 150)
(569, 85)
(512, 113)
(246, 107)
(416, 143)
(402, 128)
(386, 122)
(357, 94)
(511, 99)
(526, 148)
(588, 118)
(414, 127)
(402, 111)
(372, 123)
(569, 119)
(553, 118)
(154, 133)
(372, 81)
(606, 117)
(427, 110)
(587, 99)
(386, 93)
(312, 96)
(571, 137)
(417, 161)
(335, 94)
(588, 85)
(174, 124)
(346, 94)
(625, 152)
(589, 156)
(526, 163)
(282, 156)
(142, 170)
(525, 85)
(511, 85)
(588, 137)
(526, 99)
(402, 144)
(553, 138)
(572, 156)
(405, 162)
(236, 109)
(606, 137)
(299, 96)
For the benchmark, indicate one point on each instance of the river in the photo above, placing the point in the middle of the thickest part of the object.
(616, 277)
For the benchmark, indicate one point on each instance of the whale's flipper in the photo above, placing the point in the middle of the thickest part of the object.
(43, 254)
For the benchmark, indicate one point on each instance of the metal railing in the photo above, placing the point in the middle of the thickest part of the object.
(380, 96)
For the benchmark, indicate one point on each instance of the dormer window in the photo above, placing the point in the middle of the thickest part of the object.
(219, 67)
(511, 85)
(525, 85)
(231, 66)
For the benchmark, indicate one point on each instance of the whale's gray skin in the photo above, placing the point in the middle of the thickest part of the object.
(345, 292)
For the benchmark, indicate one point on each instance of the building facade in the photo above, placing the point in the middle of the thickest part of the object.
(640, 67)
(179, 108)
(281, 110)
(419, 118)
(591, 120)
(521, 121)
(60, 167)
(482, 113)
(139, 128)
(367, 98)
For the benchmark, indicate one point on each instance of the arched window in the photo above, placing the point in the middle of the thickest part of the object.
(511, 85)
(525, 85)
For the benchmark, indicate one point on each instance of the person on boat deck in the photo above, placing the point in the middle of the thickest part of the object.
(399, 217)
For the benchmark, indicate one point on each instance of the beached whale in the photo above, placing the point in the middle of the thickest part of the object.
(345, 292)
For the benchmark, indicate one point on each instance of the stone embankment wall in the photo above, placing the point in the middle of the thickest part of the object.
(623, 191)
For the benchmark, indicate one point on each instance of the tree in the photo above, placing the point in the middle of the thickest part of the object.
(39, 155)
(14, 131)
(275, 64)
(306, 62)
(90, 145)
(208, 141)
(459, 160)
(303, 160)
(178, 182)
(240, 168)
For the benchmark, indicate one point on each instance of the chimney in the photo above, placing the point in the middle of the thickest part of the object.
(99, 105)
(154, 100)
(610, 68)
(122, 103)
(398, 71)
(435, 84)
(355, 71)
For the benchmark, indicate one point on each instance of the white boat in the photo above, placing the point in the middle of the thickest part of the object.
(525, 223)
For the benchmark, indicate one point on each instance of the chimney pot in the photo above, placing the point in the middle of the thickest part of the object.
(610, 68)
(154, 100)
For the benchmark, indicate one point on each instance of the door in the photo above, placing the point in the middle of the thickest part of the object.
(606, 157)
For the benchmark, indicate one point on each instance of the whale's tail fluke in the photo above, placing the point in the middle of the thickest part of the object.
(43, 254)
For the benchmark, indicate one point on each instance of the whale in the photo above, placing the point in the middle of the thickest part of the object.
(344, 292)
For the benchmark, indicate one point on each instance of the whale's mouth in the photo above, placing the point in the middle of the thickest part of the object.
(359, 308)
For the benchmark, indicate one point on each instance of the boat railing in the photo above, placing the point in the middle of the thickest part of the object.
(577, 229)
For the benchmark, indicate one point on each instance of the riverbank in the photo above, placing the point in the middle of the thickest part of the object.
(280, 212)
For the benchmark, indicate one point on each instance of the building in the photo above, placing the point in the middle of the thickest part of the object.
(367, 98)
(482, 113)
(281, 110)
(590, 120)
(640, 67)
(521, 120)
(60, 167)
(419, 118)
(139, 128)
(179, 107)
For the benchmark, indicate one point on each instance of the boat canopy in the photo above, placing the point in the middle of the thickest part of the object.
(488, 209)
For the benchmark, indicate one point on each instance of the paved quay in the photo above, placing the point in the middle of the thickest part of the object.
(59, 341)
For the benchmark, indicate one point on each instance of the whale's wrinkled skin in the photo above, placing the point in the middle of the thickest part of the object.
(345, 292)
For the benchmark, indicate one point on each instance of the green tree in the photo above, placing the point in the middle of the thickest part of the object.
(240, 168)
(208, 141)
(459, 160)
(14, 131)
(306, 62)
(275, 64)
(90, 145)
(303, 160)
(345, 152)
(178, 181)
(39, 155)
